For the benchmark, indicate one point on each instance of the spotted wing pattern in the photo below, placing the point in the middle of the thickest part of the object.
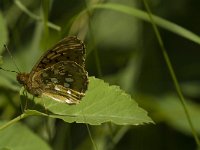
(59, 73)
(65, 81)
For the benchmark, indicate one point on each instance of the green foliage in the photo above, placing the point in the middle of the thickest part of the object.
(102, 103)
(19, 137)
(169, 109)
(170, 106)
(123, 55)
(4, 33)
(170, 26)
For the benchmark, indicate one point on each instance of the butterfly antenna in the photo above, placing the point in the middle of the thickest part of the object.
(8, 70)
(12, 59)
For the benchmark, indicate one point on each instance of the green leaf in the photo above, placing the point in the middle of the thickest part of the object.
(169, 109)
(4, 33)
(102, 103)
(1, 60)
(19, 137)
(170, 105)
(6, 83)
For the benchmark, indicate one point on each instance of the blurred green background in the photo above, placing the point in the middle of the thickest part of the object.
(121, 49)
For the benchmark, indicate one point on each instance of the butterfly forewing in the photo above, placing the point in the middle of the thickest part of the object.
(68, 49)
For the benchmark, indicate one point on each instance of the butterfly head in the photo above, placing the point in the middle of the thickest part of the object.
(22, 78)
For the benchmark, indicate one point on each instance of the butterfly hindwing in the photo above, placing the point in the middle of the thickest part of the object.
(63, 78)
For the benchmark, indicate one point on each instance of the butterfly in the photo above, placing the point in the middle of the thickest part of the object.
(60, 73)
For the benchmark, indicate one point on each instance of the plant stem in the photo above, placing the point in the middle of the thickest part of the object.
(172, 73)
(34, 16)
(22, 116)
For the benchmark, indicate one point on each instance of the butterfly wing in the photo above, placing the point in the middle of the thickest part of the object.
(68, 49)
(60, 72)
(65, 81)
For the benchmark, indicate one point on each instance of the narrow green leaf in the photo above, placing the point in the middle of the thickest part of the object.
(1, 60)
(33, 16)
(19, 137)
(170, 105)
(170, 26)
(102, 103)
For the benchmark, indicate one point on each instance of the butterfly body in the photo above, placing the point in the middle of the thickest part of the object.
(60, 73)
(33, 87)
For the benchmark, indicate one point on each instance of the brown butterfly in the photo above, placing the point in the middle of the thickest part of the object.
(59, 73)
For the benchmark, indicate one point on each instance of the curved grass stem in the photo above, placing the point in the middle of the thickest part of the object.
(22, 116)
(34, 16)
(172, 73)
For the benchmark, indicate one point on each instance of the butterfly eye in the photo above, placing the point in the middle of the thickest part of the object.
(22, 78)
